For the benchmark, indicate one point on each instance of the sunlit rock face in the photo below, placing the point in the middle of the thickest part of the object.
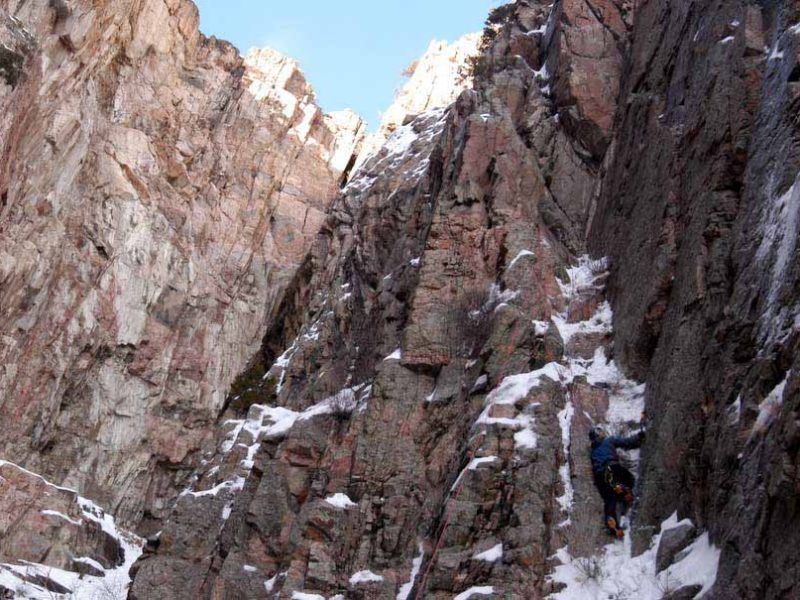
(158, 193)
(434, 81)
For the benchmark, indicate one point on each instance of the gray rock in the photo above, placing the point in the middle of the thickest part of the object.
(673, 541)
(687, 592)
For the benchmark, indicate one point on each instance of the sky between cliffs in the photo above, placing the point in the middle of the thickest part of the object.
(352, 51)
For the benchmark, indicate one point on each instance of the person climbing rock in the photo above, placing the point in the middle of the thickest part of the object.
(614, 482)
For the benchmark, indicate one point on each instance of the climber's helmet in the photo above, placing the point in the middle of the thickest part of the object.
(597, 433)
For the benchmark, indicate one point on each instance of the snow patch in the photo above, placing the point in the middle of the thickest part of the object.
(55, 513)
(565, 421)
(340, 501)
(522, 254)
(621, 575)
(396, 355)
(491, 555)
(416, 566)
(365, 577)
(770, 407)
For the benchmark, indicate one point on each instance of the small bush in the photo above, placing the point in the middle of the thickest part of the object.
(469, 321)
(343, 404)
(589, 567)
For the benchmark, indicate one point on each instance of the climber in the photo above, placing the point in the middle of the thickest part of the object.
(614, 481)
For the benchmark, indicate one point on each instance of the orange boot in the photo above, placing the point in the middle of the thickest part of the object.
(613, 529)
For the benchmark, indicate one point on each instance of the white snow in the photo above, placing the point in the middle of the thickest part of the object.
(526, 439)
(480, 383)
(770, 407)
(396, 355)
(365, 577)
(54, 513)
(305, 596)
(485, 590)
(404, 148)
(491, 555)
(477, 462)
(415, 262)
(565, 421)
(473, 466)
(540, 328)
(522, 254)
(621, 575)
(269, 584)
(776, 53)
(735, 411)
(416, 566)
(340, 501)
(115, 581)
(91, 562)
(727, 40)
(600, 322)
(249, 568)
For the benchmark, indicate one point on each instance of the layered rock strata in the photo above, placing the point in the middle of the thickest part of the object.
(406, 430)
(158, 193)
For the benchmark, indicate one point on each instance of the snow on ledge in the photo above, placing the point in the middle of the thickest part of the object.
(491, 555)
(396, 355)
(365, 577)
(340, 501)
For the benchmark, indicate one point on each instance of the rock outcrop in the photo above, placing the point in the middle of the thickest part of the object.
(158, 193)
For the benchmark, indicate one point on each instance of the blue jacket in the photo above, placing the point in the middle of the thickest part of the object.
(604, 452)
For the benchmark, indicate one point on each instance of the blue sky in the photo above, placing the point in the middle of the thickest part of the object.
(352, 51)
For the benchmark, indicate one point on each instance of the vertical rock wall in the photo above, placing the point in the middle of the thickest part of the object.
(699, 215)
(158, 193)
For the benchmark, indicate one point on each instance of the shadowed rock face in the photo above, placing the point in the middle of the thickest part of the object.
(158, 193)
(700, 209)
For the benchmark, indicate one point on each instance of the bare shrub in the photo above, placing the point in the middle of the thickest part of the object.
(667, 584)
(343, 404)
(468, 322)
(590, 568)
(598, 266)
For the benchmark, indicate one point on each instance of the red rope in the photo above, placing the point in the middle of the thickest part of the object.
(460, 484)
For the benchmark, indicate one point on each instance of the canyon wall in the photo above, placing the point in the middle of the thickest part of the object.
(158, 193)
(588, 215)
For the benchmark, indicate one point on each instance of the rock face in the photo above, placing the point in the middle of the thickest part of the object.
(416, 422)
(434, 81)
(438, 339)
(158, 193)
(59, 542)
(700, 208)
